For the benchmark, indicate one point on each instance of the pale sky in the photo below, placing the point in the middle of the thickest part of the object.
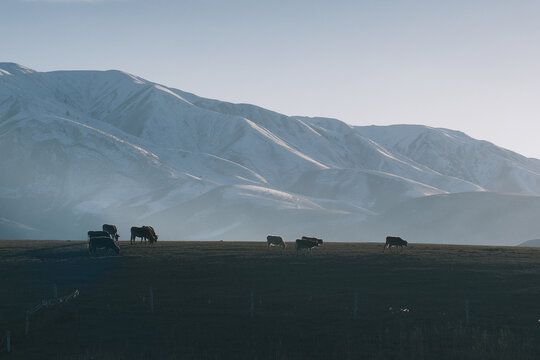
(466, 65)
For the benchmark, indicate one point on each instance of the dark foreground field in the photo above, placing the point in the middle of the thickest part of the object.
(343, 301)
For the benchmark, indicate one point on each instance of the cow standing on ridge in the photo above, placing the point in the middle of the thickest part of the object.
(152, 233)
(112, 230)
(102, 242)
(145, 232)
(307, 243)
(395, 241)
(272, 240)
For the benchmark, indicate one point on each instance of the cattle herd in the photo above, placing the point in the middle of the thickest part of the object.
(305, 242)
(107, 238)
(309, 243)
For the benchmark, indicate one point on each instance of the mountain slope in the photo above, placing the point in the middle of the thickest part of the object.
(456, 154)
(86, 147)
(483, 218)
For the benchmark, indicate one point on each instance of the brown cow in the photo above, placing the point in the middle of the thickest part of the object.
(145, 232)
(111, 230)
(152, 232)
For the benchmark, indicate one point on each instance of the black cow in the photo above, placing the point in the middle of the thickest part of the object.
(112, 230)
(137, 232)
(102, 242)
(94, 234)
(317, 240)
(305, 244)
(394, 241)
(145, 232)
(272, 240)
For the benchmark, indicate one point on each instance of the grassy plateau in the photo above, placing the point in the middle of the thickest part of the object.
(238, 300)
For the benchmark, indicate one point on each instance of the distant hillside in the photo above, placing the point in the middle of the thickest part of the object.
(531, 243)
(463, 218)
(81, 148)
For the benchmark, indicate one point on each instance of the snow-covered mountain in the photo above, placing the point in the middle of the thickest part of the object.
(456, 154)
(80, 148)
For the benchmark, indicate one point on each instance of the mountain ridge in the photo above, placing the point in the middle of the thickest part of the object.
(122, 149)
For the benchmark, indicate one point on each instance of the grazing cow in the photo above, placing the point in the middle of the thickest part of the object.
(305, 244)
(94, 234)
(272, 240)
(394, 241)
(111, 230)
(145, 232)
(317, 240)
(151, 232)
(102, 242)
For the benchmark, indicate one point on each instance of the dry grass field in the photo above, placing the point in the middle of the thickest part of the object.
(342, 301)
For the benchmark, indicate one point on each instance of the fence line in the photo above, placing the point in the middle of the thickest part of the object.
(45, 303)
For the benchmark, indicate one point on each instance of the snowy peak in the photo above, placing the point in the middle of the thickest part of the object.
(453, 153)
(104, 145)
